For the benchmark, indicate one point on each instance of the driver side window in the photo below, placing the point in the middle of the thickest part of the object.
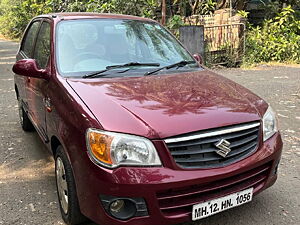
(42, 47)
(28, 42)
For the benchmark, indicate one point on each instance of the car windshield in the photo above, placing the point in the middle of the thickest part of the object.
(89, 45)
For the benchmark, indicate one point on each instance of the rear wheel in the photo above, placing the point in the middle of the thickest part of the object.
(66, 190)
(24, 119)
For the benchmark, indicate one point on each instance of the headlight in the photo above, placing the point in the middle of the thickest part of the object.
(114, 149)
(269, 124)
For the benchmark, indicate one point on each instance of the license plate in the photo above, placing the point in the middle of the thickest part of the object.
(214, 206)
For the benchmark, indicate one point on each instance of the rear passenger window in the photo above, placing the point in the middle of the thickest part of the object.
(28, 43)
(42, 46)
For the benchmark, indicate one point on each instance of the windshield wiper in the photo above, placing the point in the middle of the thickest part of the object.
(99, 73)
(178, 64)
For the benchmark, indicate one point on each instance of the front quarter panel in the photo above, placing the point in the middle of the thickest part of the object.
(68, 120)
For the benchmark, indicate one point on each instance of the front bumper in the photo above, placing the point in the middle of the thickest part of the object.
(170, 193)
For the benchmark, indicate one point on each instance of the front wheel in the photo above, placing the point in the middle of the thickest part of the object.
(66, 190)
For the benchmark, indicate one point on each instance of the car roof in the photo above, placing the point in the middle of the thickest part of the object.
(85, 15)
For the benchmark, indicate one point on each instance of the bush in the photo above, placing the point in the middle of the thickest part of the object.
(175, 22)
(277, 40)
(15, 15)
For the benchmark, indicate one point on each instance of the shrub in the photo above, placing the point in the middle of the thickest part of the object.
(175, 22)
(277, 40)
(15, 15)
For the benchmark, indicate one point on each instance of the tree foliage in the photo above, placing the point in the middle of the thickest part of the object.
(144, 8)
(15, 15)
(277, 40)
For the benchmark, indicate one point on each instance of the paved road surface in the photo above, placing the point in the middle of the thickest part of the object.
(27, 185)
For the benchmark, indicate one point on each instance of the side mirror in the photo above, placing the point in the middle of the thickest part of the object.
(28, 67)
(198, 58)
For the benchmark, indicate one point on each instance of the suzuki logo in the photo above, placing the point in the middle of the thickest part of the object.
(223, 145)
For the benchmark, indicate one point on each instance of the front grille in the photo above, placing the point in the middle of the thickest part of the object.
(180, 201)
(198, 150)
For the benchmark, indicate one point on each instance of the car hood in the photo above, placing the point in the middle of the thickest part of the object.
(160, 106)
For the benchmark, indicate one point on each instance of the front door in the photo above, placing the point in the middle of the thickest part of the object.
(37, 88)
(26, 51)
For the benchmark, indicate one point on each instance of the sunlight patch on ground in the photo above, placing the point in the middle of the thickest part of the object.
(33, 170)
(7, 57)
(269, 65)
(4, 63)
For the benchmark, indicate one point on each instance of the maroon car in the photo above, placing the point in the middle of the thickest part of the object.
(141, 133)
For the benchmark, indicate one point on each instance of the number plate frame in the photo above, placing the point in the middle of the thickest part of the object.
(215, 206)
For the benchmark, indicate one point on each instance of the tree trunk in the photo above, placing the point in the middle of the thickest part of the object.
(163, 12)
(194, 6)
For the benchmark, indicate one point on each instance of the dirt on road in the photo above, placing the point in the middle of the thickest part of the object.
(27, 184)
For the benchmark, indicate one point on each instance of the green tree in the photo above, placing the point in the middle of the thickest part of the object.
(15, 15)
(277, 40)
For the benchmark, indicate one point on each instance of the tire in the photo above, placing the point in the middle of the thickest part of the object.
(66, 190)
(24, 119)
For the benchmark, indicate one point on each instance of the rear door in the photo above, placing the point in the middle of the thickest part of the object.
(37, 88)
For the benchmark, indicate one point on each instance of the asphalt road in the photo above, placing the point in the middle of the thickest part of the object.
(27, 184)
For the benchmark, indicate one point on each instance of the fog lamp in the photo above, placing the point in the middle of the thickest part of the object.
(124, 208)
(116, 206)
